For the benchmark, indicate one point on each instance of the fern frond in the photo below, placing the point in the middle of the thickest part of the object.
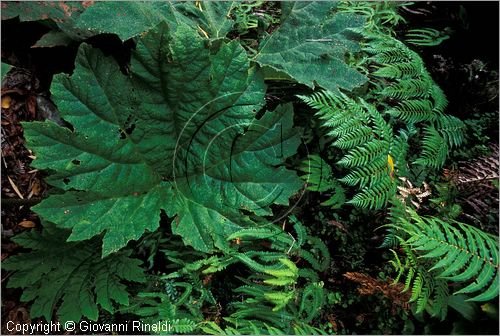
(460, 252)
(399, 151)
(365, 154)
(439, 306)
(439, 99)
(369, 175)
(391, 54)
(435, 149)
(311, 301)
(408, 89)
(413, 111)
(305, 329)
(319, 176)
(368, 139)
(427, 37)
(401, 70)
(323, 257)
(377, 196)
(451, 128)
(357, 137)
(299, 229)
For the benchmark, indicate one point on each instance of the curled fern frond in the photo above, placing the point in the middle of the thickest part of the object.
(426, 37)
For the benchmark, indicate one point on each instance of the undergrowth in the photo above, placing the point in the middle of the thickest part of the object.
(254, 168)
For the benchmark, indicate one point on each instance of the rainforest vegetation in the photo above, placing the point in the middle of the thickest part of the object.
(250, 167)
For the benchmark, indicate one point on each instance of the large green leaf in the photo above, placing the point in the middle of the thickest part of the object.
(234, 171)
(124, 18)
(60, 11)
(71, 276)
(80, 20)
(212, 17)
(310, 46)
(178, 134)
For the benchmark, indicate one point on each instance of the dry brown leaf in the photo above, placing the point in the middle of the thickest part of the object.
(13, 185)
(27, 224)
(338, 225)
(36, 188)
(370, 286)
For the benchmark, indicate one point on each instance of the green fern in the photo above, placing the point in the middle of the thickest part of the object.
(414, 110)
(426, 290)
(274, 295)
(408, 89)
(459, 253)
(435, 149)
(400, 70)
(152, 307)
(446, 132)
(319, 177)
(362, 131)
(312, 299)
(426, 37)
(70, 277)
(439, 99)
(451, 129)
(405, 79)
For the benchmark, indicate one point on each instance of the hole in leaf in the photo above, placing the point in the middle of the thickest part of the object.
(66, 180)
(76, 162)
(130, 129)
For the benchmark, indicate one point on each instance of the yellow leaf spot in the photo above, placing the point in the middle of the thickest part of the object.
(6, 102)
(390, 163)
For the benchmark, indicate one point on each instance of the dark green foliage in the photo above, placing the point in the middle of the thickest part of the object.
(319, 177)
(268, 300)
(435, 149)
(187, 156)
(426, 37)
(438, 252)
(374, 155)
(70, 277)
(360, 129)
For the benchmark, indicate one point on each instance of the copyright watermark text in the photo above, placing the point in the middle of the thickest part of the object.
(36, 329)
(89, 327)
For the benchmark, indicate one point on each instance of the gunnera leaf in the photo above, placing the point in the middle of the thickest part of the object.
(179, 133)
(80, 20)
(212, 17)
(311, 45)
(72, 275)
(124, 18)
(60, 11)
